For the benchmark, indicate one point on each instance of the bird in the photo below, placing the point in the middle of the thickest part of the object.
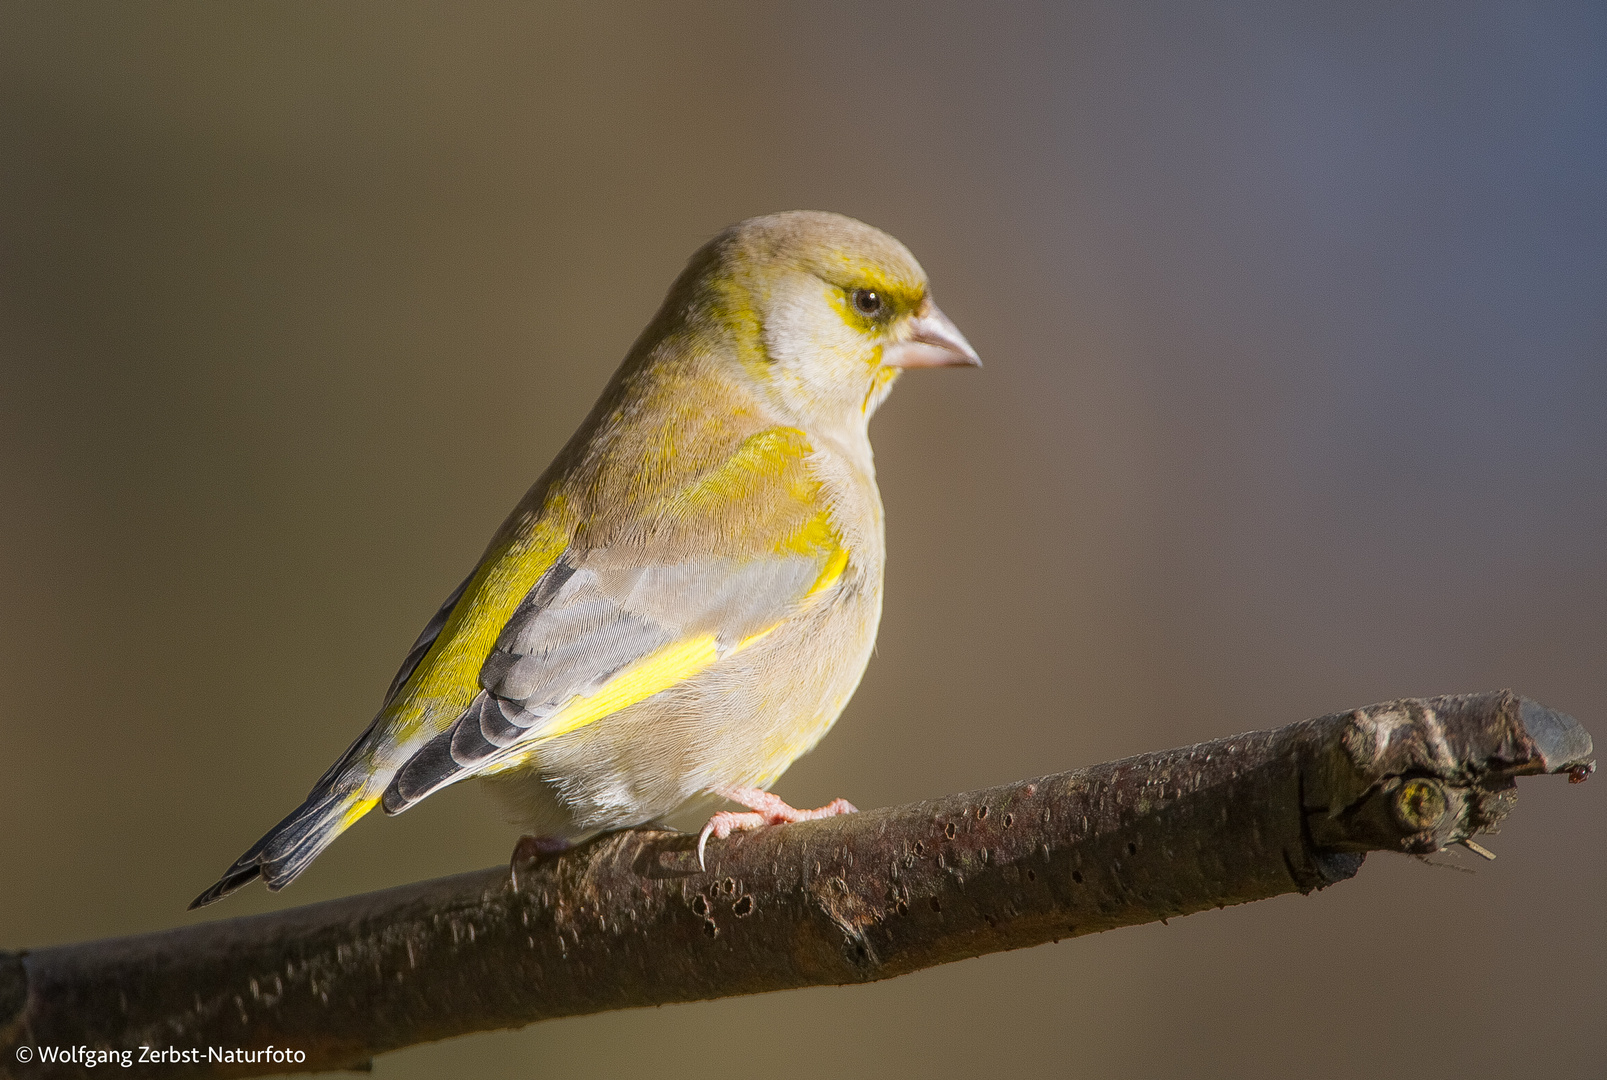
(685, 600)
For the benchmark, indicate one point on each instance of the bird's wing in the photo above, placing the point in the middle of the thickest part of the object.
(607, 627)
(410, 663)
(432, 681)
(426, 638)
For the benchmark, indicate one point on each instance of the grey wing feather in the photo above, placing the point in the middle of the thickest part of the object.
(571, 645)
(582, 624)
(410, 663)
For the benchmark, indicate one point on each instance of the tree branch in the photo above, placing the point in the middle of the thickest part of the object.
(629, 920)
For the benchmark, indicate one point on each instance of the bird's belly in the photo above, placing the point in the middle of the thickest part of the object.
(739, 723)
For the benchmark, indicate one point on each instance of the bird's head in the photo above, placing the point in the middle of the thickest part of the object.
(825, 311)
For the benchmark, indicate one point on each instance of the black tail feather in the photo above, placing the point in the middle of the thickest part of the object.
(227, 884)
(287, 848)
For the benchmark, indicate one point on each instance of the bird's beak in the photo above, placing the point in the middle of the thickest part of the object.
(932, 341)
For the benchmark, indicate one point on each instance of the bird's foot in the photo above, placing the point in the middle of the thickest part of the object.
(767, 809)
(531, 850)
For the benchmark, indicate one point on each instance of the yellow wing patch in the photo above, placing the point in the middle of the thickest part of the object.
(449, 675)
(776, 459)
(355, 811)
(778, 456)
(835, 565)
(818, 537)
(658, 671)
(769, 476)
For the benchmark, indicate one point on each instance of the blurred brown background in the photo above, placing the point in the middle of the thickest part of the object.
(1295, 400)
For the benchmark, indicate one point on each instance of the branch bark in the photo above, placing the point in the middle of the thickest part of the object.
(629, 920)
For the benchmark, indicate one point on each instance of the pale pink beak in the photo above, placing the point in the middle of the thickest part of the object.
(933, 341)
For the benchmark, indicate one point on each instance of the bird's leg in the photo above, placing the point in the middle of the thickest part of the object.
(531, 850)
(767, 809)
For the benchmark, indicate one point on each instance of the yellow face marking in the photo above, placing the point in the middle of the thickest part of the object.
(898, 299)
(880, 380)
(731, 306)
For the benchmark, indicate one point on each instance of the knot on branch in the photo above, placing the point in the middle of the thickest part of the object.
(1420, 774)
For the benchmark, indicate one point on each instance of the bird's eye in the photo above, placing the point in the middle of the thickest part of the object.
(868, 301)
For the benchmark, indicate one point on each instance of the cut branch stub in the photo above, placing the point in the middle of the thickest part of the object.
(1421, 774)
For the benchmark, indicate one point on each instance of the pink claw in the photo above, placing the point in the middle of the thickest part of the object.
(767, 809)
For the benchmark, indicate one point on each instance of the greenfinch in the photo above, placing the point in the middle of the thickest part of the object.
(685, 600)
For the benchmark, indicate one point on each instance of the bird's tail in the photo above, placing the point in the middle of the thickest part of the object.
(289, 846)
